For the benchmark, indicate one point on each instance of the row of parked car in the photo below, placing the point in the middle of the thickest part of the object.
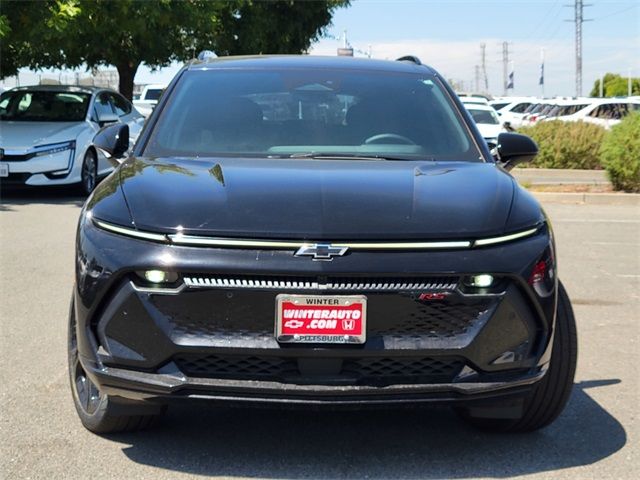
(523, 111)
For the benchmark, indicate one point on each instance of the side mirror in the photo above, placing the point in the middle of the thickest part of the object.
(514, 148)
(104, 118)
(507, 126)
(113, 140)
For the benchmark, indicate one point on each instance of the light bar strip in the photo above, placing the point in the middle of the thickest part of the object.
(228, 242)
(180, 239)
(504, 238)
(232, 242)
(130, 232)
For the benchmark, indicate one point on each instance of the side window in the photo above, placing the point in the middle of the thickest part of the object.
(120, 104)
(520, 108)
(102, 105)
(595, 113)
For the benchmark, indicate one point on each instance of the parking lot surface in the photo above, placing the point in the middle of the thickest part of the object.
(596, 437)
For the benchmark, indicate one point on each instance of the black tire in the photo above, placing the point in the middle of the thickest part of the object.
(89, 172)
(97, 411)
(549, 397)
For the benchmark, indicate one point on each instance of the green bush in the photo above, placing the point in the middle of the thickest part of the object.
(566, 144)
(620, 154)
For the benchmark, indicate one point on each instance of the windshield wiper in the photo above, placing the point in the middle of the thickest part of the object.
(350, 156)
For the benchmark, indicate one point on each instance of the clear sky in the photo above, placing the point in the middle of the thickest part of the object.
(447, 35)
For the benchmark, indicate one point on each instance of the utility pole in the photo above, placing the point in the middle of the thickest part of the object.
(578, 19)
(477, 78)
(601, 85)
(541, 80)
(505, 67)
(483, 48)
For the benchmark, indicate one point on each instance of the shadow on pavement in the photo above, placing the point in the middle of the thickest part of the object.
(422, 443)
(39, 196)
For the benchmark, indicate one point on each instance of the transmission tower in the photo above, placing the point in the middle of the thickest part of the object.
(505, 67)
(578, 19)
(483, 48)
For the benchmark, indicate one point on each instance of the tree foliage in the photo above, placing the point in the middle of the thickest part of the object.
(126, 33)
(620, 154)
(615, 86)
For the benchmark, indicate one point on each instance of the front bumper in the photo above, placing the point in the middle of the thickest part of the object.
(141, 342)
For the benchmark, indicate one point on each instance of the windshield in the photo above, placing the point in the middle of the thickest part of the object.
(484, 116)
(43, 106)
(312, 111)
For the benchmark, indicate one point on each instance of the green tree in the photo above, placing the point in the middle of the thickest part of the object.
(615, 86)
(127, 33)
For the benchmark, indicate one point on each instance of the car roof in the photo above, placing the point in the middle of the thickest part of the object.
(479, 106)
(269, 62)
(60, 88)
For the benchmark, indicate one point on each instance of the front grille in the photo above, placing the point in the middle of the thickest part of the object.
(437, 320)
(365, 284)
(15, 179)
(18, 158)
(246, 319)
(381, 370)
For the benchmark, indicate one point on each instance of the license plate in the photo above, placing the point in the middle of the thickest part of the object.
(4, 170)
(321, 319)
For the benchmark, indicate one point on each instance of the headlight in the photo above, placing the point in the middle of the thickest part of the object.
(54, 148)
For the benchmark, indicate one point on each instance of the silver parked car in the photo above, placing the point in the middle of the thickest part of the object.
(46, 134)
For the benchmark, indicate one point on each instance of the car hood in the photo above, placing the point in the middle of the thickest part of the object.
(24, 135)
(317, 199)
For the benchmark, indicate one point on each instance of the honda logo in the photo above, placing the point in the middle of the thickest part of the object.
(348, 324)
(321, 251)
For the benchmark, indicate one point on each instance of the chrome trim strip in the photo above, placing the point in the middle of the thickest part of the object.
(130, 232)
(257, 284)
(504, 238)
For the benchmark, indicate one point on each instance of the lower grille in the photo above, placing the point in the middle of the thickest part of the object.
(348, 371)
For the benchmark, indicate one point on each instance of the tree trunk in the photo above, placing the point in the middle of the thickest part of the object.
(127, 72)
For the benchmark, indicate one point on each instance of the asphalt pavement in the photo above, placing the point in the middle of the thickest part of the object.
(40, 437)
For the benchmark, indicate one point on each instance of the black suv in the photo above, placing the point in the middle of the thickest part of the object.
(326, 231)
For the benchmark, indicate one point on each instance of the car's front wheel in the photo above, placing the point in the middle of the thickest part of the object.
(89, 172)
(97, 411)
(550, 395)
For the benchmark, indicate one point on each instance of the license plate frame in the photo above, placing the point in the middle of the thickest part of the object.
(349, 328)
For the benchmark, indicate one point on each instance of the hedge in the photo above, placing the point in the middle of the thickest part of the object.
(566, 144)
(620, 154)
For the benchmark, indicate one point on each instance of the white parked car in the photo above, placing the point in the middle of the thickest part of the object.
(605, 112)
(148, 98)
(467, 100)
(487, 121)
(515, 110)
(46, 134)
(565, 108)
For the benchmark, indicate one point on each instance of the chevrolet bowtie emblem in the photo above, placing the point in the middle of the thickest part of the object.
(321, 251)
